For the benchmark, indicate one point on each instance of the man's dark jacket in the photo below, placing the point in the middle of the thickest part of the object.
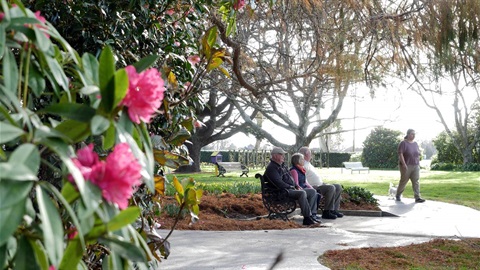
(279, 176)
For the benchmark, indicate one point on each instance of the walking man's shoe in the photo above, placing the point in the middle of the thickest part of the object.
(419, 200)
(397, 198)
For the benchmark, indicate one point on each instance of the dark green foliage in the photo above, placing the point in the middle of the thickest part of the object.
(446, 150)
(330, 159)
(359, 195)
(471, 167)
(380, 148)
(443, 166)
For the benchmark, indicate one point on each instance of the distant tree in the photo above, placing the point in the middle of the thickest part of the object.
(296, 63)
(380, 148)
(428, 148)
(446, 150)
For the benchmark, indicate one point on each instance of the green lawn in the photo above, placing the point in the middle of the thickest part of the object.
(453, 187)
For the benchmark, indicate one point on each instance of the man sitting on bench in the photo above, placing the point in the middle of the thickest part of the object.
(279, 176)
(332, 193)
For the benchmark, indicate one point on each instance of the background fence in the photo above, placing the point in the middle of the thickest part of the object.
(260, 158)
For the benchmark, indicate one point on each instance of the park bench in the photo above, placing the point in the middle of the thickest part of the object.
(276, 200)
(224, 167)
(355, 166)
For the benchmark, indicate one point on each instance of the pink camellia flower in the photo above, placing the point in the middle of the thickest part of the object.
(193, 59)
(116, 176)
(2, 15)
(170, 11)
(144, 94)
(86, 161)
(72, 234)
(41, 26)
(239, 4)
(120, 174)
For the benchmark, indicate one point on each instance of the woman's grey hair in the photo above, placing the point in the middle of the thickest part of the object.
(296, 158)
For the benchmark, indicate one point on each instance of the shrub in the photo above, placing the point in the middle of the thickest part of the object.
(443, 166)
(359, 195)
(380, 148)
(471, 167)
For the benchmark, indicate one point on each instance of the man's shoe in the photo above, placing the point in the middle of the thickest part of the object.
(328, 214)
(398, 199)
(316, 218)
(308, 221)
(338, 214)
(419, 200)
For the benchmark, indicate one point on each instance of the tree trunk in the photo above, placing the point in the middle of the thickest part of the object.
(194, 153)
(467, 154)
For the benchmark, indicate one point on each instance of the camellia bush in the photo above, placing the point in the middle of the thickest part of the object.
(78, 165)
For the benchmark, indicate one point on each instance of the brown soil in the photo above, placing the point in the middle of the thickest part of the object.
(227, 212)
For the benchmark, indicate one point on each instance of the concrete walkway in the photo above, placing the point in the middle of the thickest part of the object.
(408, 222)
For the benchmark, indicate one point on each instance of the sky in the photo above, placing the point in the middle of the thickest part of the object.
(396, 110)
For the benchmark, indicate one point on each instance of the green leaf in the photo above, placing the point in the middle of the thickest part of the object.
(9, 132)
(124, 218)
(73, 111)
(2, 44)
(99, 124)
(75, 130)
(107, 83)
(25, 256)
(149, 158)
(10, 72)
(3, 254)
(121, 86)
(13, 192)
(179, 137)
(69, 192)
(58, 74)
(10, 218)
(36, 81)
(18, 172)
(73, 255)
(40, 253)
(112, 262)
(214, 63)
(90, 69)
(42, 41)
(126, 250)
(28, 155)
(212, 36)
(109, 140)
(145, 63)
(67, 207)
(51, 225)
